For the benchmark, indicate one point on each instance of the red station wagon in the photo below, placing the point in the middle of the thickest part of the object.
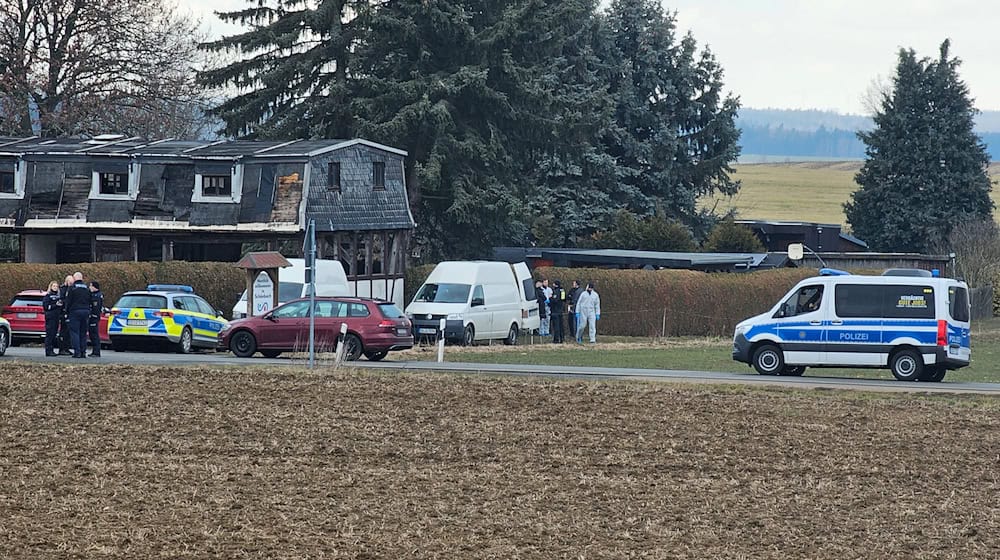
(374, 328)
(27, 318)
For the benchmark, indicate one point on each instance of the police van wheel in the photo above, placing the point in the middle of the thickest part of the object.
(793, 370)
(186, 341)
(768, 360)
(511, 339)
(933, 374)
(906, 365)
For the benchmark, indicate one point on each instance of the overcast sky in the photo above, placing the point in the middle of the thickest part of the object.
(804, 54)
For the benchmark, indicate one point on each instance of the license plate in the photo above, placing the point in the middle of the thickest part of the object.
(137, 323)
(401, 332)
(427, 331)
(27, 315)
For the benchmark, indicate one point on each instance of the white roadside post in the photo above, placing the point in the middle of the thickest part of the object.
(441, 341)
(340, 345)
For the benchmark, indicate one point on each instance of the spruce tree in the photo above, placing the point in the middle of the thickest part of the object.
(678, 132)
(926, 169)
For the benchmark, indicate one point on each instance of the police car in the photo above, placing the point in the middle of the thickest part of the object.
(164, 313)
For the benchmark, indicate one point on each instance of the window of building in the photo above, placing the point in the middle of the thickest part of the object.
(113, 183)
(333, 175)
(7, 182)
(217, 185)
(378, 175)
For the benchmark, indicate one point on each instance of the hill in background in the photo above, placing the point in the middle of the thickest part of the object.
(801, 192)
(795, 135)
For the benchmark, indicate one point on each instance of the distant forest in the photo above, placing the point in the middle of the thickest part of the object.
(826, 134)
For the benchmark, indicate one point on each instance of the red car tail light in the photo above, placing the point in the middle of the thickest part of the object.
(386, 324)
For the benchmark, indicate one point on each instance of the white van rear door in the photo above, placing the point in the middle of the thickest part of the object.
(526, 291)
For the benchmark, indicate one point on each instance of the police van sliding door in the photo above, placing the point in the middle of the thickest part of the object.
(854, 336)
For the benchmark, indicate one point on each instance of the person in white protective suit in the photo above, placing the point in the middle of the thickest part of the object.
(588, 312)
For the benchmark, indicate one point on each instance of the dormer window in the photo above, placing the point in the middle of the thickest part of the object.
(217, 182)
(114, 180)
(378, 175)
(7, 185)
(217, 185)
(113, 183)
(333, 176)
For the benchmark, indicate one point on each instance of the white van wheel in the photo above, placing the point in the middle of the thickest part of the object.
(511, 339)
(906, 365)
(768, 360)
(469, 335)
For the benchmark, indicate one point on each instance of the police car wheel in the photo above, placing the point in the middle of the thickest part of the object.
(768, 360)
(933, 374)
(185, 343)
(793, 370)
(4, 341)
(906, 365)
(511, 339)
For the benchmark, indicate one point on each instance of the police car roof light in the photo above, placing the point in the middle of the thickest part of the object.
(169, 288)
(833, 272)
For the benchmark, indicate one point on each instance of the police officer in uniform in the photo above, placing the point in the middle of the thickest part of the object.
(52, 305)
(557, 306)
(96, 309)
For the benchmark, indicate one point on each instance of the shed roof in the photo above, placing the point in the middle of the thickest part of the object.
(262, 260)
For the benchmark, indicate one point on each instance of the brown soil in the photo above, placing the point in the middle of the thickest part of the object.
(122, 461)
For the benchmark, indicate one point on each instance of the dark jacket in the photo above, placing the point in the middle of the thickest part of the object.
(50, 304)
(571, 296)
(540, 296)
(96, 306)
(63, 295)
(78, 298)
(557, 303)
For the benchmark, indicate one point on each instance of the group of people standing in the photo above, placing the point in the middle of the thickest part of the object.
(581, 307)
(72, 314)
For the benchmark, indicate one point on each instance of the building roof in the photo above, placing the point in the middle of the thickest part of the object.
(264, 259)
(119, 145)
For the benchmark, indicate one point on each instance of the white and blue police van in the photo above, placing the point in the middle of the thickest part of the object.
(910, 321)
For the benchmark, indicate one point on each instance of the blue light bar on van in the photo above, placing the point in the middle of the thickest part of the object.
(833, 272)
(169, 288)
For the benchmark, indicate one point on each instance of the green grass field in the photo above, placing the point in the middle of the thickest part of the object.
(804, 191)
(701, 354)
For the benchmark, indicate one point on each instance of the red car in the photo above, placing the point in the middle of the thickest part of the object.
(27, 319)
(374, 328)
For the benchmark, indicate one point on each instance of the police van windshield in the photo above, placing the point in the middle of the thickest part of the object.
(444, 293)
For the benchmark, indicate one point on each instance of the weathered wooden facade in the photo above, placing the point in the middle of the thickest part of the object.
(113, 198)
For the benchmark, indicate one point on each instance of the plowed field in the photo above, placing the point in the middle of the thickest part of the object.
(166, 462)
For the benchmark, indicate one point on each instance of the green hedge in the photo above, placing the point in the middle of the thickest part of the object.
(415, 276)
(219, 283)
(678, 302)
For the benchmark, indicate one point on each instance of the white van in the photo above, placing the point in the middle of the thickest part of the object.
(907, 321)
(330, 281)
(478, 300)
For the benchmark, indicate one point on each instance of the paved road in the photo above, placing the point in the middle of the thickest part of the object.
(213, 359)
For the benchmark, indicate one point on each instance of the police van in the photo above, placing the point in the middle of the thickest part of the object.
(909, 321)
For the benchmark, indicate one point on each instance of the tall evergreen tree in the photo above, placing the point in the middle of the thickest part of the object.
(293, 68)
(677, 129)
(926, 170)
